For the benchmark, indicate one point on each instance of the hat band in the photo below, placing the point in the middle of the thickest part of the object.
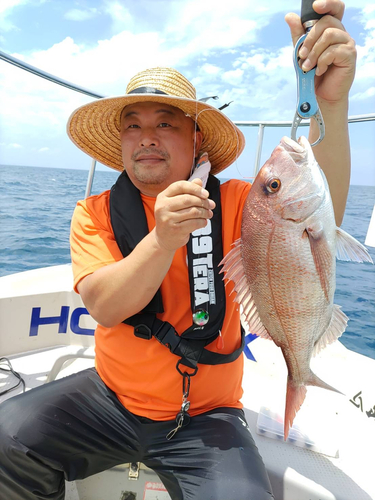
(147, 90)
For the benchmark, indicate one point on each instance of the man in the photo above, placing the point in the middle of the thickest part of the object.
(159, 394)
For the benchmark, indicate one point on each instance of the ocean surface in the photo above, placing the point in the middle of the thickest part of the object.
(36, 205)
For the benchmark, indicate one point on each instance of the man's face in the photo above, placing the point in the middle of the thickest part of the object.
(158, 145)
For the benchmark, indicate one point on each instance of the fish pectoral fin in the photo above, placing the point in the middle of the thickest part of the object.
(322, 255)
(348, 248)
(336, 328)
(233, 270)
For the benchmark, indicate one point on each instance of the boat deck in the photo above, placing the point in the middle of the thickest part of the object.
(329, 422)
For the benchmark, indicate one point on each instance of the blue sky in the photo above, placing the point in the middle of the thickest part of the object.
(239, 50)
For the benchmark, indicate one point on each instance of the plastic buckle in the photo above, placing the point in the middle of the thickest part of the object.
(143, 331)
(167, 336)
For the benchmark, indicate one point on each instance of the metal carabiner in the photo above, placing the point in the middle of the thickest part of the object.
(307, 105)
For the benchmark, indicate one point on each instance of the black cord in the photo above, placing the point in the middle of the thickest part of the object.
(16, 374)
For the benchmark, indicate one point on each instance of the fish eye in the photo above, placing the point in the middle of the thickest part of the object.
(273, 185)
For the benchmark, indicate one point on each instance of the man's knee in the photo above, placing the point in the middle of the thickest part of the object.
(22, 472)
(9, 409)
(12, 451)
(12, 417)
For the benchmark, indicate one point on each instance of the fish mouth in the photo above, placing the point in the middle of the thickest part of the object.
(292, 146)
(298, 151)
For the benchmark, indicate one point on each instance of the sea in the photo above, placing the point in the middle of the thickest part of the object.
(36, 206)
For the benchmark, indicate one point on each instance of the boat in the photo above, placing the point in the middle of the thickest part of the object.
(47, 333)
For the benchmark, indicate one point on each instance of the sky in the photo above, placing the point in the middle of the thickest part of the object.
(240, 51)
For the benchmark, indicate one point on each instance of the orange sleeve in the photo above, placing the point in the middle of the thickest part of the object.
(92, 242)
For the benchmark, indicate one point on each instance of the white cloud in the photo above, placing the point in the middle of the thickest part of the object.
(210, 69)
(7, 5)
(262, 85)
(363, 91)
(360, 96)
(369, 9)
(213, 44)
(6, 9)
(80, 15)
(43, 150)
(121, 17)
(234, 76)
(14, 145)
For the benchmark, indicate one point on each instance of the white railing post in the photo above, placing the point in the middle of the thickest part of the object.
(90, 179)
(259, 148)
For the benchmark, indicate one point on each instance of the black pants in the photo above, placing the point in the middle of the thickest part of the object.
(75, 427)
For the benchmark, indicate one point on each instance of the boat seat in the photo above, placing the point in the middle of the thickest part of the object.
(44, 365)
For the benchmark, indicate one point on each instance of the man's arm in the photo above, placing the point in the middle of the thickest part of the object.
(119, 290)
(333, 153)
(332, 50)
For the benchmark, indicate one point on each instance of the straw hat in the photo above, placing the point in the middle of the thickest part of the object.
(95, 127)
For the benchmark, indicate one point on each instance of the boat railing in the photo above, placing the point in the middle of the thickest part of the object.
(260, 124)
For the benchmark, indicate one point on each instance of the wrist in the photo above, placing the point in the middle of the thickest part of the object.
(337, 106)
(158, 246)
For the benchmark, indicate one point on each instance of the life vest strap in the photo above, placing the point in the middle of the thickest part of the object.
(129, 225)
(190, 351)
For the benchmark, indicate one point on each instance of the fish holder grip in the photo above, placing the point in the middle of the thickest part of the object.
(307, 105)
(308, 13)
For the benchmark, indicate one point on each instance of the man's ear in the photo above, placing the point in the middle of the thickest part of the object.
(198, 137)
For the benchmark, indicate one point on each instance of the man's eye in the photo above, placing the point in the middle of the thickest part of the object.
(164, 124)
(133, 125)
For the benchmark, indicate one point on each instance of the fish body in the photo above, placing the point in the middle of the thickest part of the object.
(284, 265)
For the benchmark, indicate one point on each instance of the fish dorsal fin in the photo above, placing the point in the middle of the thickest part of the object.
(233, 270)
(335, 329)
(348, 248)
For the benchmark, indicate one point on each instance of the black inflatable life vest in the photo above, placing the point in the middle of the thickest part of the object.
(129, 225)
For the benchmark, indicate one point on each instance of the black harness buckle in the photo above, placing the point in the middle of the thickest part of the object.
(167, 336)
(143, 331)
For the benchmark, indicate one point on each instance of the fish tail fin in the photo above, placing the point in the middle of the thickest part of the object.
(295, 396)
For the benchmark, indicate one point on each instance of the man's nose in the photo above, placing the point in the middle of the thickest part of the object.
(148, 138)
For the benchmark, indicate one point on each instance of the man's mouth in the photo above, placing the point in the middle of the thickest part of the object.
(150, 159)
(150, 156)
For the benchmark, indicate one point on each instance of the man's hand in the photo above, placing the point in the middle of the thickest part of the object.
(179, 210)
(329, 47)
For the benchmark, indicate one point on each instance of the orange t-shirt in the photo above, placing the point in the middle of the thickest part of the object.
(143, 372)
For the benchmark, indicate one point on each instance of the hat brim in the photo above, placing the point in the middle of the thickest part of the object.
(95, 129)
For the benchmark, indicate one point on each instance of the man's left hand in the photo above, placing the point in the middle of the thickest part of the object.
(329, 47)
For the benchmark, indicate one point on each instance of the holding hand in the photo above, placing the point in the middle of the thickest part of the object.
(329, 47)
(179, 210)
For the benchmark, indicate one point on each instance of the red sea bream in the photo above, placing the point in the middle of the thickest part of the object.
(283, 266)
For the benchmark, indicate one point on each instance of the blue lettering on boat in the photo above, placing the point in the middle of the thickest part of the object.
(62, 321)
